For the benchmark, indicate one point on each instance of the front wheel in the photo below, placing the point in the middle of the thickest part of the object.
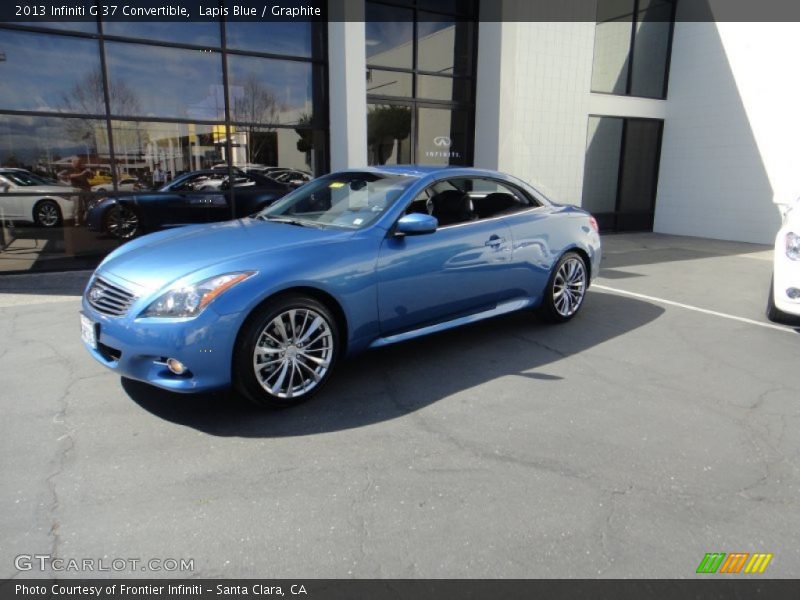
(47, 213)
(565, 290)
(121, 222)
(286, 351)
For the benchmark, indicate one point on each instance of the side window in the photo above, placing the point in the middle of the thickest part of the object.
(491, 198)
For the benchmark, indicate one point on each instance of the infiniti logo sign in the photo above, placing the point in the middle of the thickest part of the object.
(442, 140)
(95, 294)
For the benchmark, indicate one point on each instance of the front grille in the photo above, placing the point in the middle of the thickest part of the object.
(109, 299)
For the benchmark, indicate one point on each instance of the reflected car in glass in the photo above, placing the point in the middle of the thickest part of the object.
(349, 261)
(125, 184)
(196, 197)
(31, 198)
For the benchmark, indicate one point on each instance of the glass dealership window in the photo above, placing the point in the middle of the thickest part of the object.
(389, 134)
(632, 45)
(168, 108)
(420, 75)
(166, 82)
(300, 148)
(43, 208)
(270, 91)
(52, 73)
(205, 33)
(176, 147)
(291, 38)
(443, 136)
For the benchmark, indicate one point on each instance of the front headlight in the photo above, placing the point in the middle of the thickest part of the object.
(793, 246)
(189, 301)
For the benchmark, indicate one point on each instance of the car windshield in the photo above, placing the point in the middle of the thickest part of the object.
(351, 200)
(24, 178)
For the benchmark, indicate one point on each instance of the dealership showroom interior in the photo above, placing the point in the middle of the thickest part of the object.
(399, 290)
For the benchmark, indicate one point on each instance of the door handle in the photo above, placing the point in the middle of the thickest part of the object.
(495, 241)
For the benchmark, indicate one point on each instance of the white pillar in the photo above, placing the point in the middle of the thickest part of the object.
(348, 89)
(495, 95)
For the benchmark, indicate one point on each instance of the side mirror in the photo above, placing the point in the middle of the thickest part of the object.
(416, 224)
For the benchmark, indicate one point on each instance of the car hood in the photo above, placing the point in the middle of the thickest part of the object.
(156, 260)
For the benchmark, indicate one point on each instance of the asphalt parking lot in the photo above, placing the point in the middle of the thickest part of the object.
(661, 424)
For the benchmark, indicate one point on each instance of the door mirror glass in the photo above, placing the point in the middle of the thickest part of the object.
(416, 224)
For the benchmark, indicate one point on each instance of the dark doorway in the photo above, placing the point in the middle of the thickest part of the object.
(621, 172)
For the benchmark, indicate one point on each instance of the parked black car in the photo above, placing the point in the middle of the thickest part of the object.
(195, 197)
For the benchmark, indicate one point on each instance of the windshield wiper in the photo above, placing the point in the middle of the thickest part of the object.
(290, 221)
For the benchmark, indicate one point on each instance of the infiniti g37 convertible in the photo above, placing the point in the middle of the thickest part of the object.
(349, 261)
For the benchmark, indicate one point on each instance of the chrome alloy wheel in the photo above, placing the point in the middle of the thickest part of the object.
(293, 353)
(122, 222)
(569, 286)
(47, 214)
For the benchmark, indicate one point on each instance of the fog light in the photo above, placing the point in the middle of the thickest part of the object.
(176, 366)
(793, 293)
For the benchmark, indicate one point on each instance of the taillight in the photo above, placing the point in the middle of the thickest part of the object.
(593, 223)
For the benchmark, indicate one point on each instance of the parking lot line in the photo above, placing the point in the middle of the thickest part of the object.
(695, 308)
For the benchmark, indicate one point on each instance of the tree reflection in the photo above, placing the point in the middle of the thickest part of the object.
(387, 126)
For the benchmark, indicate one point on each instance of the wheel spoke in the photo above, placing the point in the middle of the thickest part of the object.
(293, 353)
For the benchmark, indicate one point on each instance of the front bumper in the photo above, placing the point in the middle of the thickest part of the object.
(786, 275)
(136, 348)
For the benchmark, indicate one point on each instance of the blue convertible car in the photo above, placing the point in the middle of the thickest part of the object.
(349, 261)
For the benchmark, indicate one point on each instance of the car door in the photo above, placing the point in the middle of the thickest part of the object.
(459, 269)
(188, 201)
(10, 204)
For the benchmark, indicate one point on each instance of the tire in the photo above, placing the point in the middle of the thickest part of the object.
(774, 314)
(566, 289)
(122, 222)
(47, 214)
(286, 351)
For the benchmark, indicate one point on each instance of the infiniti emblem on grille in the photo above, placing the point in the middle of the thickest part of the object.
(95, 294)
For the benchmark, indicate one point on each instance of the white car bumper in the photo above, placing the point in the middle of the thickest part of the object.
(787, 278)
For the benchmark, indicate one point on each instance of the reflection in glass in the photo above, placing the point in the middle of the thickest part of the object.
(651, 48)
(389, 36)
(201, 33)
(612, 47)
(45, 72)
(85, 26)
(156, 153)
(265, 90)
(389, 83)
(291, 38)
(298, 149)
(631, 50)
(49, 168)
(444, 46)
(444, 88)
(443, 136)
(166, 82)
(388, 134)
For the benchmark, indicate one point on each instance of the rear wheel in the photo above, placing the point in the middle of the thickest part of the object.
(47, 213)
(286, 351)
(122, 222)
(565, 290)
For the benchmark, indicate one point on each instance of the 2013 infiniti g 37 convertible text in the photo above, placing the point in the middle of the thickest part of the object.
(349, 261)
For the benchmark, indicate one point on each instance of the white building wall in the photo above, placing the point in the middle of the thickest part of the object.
(732, 130)
(533, 85)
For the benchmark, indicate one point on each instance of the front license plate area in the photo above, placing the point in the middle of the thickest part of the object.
(88, 332)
